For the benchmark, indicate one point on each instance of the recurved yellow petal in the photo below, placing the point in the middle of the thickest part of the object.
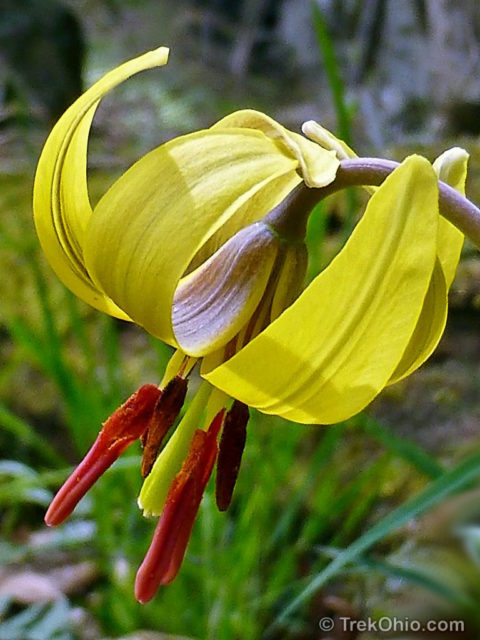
(327, 140)
(429, 329)
(61, 203)
(451, 167)
(329, 354)
(148, 227)
(318, 166)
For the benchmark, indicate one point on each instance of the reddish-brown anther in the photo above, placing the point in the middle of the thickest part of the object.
(122, 428)
(164, 557)
(164, 415)
(232, 444)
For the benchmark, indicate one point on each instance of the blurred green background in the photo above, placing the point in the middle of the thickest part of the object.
(375, 517)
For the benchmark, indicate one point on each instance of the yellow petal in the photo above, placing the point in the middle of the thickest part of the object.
(61, 204)
(429, 329)
(318, 166)
(271, 193)
(327, 140)
(154, 219)
(329, 354)
(291, 279)
(451, 167)
(216, 300)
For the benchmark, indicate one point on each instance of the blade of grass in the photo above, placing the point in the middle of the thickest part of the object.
(343, 113)
(364, 491)
(339, 500)
(400, 446)
(24, 336)
(321, 459)
(80, 333)
(452, 480)
(113, 368)
(26, 433)
(327, 51)
(417, 578)
(52, 348)
(85, 403)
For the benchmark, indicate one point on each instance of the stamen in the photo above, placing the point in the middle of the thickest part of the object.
(259, 319)
(179, 365)
(232, 444)
(164, 557)
(156, 486)
(122, 428)
(231, 347)
(164, 415)
(183, 367)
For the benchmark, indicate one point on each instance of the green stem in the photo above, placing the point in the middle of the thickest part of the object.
(334, 76)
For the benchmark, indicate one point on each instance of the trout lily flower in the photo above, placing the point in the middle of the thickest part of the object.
(201, 243)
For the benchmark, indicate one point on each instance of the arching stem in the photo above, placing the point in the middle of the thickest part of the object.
(372, 172)
(289, 218)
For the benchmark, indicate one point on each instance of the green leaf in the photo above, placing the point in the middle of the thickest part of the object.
(453, 480)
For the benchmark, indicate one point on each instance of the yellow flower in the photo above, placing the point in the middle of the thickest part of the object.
(201, 242)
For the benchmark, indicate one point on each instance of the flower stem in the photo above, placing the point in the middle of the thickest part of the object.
(289, 218)
(372, 172)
